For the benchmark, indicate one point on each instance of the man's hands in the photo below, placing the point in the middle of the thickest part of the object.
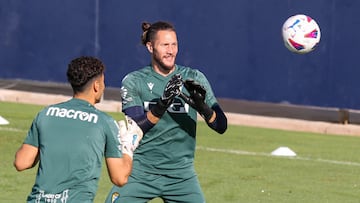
(172, 89)
(130, 135)
(197, 94)
(197, 98)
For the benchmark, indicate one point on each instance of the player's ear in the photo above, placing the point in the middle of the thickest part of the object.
(149, 46)
(96, 85)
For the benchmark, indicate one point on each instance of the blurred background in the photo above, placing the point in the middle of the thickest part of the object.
(237, 44)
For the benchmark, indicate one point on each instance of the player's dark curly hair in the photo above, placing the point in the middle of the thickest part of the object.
(150, 30)
(81, 70)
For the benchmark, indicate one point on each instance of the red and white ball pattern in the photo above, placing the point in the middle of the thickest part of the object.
(301, 33)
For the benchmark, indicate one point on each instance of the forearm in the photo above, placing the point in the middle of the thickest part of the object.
(218, 121)
(119, 169)
(127, 165)
(145, 120)
(26, 157)
(152, 118)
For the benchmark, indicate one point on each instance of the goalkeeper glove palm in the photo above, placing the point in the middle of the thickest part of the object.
(172, 89)
(197, 99)
(130, 135)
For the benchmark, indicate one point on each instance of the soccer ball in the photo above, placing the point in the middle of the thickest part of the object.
(301, 33)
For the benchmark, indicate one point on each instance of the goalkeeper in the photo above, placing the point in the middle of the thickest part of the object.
(69, 140)
(167, 113)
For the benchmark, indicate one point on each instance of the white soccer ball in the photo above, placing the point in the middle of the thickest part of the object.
(301, 33)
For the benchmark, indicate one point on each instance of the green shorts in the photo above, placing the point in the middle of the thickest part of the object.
(144, 187)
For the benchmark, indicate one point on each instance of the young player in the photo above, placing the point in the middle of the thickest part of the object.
(164, 163)
(70, 139)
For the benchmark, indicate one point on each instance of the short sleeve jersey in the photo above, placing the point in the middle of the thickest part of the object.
(169, 146)
(73, 137)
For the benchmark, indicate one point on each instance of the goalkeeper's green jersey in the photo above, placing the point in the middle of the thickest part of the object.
(73, 137)
(169, 146)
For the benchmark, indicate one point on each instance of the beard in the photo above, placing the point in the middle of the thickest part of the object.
(161, 64)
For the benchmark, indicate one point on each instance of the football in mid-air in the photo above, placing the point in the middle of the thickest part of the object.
(301, 33)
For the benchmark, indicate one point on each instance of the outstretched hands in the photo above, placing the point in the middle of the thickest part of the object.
(172, 89)
(196, 99)
(197, 94)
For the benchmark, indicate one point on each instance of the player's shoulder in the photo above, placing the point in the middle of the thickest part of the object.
(140, 73)
(103, 114)
(52, 107)
(73, 107)
(188, 72)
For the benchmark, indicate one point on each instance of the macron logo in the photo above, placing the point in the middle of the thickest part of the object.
(72, 114)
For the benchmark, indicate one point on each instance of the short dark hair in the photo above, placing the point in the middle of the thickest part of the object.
(150, 30)
(81, 70)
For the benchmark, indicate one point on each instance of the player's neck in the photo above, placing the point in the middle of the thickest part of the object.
(85, 97)
(164, 71)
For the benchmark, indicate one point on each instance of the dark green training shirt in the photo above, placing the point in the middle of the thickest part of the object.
(73, 137)
(168, 147)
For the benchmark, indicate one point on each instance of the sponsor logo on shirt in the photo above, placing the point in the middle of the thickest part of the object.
(72, 114)
(176, 107)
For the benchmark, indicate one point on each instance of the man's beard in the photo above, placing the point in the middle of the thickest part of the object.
(162, 65)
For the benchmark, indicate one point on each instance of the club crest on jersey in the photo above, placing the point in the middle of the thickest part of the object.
(114, 196)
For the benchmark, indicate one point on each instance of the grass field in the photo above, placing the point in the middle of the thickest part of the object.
(234, 167)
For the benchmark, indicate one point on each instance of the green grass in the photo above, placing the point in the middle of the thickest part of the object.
(234, 167)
